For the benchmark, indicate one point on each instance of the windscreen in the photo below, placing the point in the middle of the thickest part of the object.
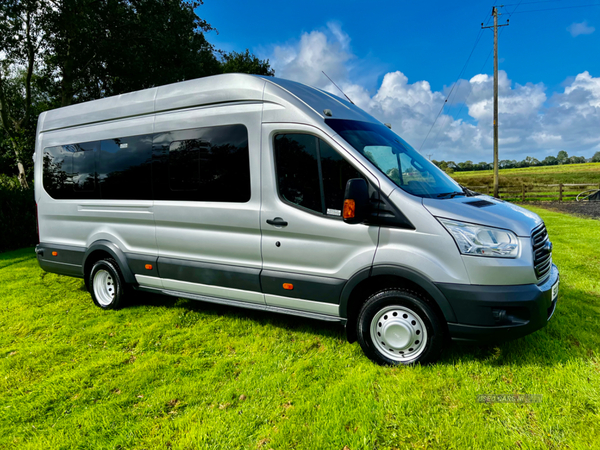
(398, 161)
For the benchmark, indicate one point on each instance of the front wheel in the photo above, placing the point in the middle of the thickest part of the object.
(106, 284)
(398, 326)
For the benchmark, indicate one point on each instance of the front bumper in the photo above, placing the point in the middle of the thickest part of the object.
(494, 313)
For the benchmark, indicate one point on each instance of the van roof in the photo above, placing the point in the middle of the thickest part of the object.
(208, 91)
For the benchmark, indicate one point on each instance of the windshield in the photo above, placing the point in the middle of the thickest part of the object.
(401, 163)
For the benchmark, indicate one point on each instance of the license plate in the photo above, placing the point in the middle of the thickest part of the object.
(555, 291)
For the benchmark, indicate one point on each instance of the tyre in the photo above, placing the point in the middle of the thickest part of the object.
(106, 284)
(398, 326)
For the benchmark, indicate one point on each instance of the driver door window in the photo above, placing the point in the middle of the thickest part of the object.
(311, 174)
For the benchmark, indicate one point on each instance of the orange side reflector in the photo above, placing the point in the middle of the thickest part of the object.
(288, 286)
(148, 266)
(349, 208)
(54, 253)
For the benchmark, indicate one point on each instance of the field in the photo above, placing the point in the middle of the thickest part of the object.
(177, 374)
(567, 174)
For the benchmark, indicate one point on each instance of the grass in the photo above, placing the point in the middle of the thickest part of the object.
(566, 174)
(177, 374)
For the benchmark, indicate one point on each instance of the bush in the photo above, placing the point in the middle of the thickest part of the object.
(18, 227)
(8, 182)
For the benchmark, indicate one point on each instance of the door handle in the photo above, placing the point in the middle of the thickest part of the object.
(277, 222)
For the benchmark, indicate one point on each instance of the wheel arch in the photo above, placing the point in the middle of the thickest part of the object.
(368, 281)
(102, 249)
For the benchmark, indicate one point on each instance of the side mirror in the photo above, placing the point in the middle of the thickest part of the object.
(356, 201)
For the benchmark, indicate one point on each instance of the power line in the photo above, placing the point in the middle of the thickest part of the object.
(527, 3)
(501, 31)
(452, 89)
(554, 9)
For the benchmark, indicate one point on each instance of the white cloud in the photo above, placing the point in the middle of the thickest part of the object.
(580, 28)
(532, 123)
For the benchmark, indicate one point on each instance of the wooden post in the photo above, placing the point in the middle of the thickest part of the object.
(560, 192)
(523, 192)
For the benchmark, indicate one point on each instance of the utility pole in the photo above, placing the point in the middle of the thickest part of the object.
(495, 27)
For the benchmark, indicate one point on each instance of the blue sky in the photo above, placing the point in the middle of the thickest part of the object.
(398, 60)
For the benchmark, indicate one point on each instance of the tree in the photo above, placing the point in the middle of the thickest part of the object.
(596, 157)
(59, 52)
(245, 63)
(562, 157)
(99, 48)
(467, 165)
(550, 161)
(21, 38)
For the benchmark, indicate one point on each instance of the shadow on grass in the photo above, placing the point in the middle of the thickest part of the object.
(568, 334)
(12, 257)
(284, 321)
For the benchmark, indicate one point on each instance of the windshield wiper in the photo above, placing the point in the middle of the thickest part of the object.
(451, 194)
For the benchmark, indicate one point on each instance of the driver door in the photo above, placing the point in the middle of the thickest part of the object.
(308, 251)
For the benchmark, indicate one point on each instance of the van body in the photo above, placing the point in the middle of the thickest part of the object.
(268, 194)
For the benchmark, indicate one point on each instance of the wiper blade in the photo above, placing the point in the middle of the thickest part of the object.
(451, 194)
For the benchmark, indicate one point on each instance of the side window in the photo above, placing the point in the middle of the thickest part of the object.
(84, 169)
(298, 170)
(58, 172)
(70, 171)
(124, 168)
(184, 165)
(209, 164)
(336, 173)
(311, 174)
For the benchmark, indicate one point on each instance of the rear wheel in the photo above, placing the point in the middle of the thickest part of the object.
(398, 326)
(106, 284)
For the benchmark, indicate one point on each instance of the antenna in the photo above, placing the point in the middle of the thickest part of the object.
(337, 87)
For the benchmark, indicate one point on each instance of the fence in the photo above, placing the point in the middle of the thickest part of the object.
(537, 192)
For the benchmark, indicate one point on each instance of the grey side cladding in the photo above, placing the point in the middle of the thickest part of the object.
(67, 261)
(228, 276)
(116, 253)
(305, 287)
(400, 272)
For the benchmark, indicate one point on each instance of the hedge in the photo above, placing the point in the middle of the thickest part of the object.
(18, 227)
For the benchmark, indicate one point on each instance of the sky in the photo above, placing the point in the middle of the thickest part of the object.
(405, 61)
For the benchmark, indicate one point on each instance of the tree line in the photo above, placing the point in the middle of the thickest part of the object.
(562, 158)
(56, 53)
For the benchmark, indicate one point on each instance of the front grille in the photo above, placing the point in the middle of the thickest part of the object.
(542, 252)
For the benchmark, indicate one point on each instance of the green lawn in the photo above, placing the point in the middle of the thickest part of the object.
(569, 173)
(177, 374)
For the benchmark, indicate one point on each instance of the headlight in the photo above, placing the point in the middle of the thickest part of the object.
(478, 240)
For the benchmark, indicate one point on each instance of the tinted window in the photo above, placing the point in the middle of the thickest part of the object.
(124, 168)
(298, 170)
(206, 164)
(58, 172)
(336, 173)
(184, 165)
(70, 171)
(311, 174)
(84, 169)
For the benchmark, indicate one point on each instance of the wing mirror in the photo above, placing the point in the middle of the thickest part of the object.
(356, 201)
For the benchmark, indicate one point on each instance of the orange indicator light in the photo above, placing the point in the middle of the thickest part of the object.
(54, 253)
(349, 208)
(148, 266)
(288, 286)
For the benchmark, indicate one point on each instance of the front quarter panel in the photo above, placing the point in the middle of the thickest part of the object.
(428, 249)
